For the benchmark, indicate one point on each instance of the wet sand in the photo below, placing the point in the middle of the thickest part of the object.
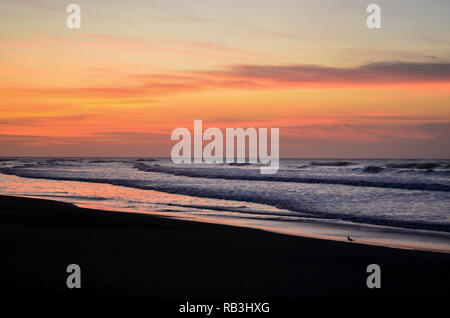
(127, 254)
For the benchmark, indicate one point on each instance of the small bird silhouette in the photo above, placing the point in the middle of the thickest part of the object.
(350, 239)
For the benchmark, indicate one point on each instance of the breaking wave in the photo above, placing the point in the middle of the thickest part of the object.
(230, 174)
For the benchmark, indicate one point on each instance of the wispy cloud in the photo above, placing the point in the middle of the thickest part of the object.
(372, 73)
(256, 77)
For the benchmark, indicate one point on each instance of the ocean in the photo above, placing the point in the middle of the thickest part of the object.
(399, 203)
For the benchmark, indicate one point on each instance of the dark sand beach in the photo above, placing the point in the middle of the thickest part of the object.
(126, 254)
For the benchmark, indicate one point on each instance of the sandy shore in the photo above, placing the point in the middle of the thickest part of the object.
(135, 254)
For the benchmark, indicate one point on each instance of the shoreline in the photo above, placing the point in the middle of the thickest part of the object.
(151, 256)
(326, 225)
(319, 228)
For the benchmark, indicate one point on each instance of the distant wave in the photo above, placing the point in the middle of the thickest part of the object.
(99, 161)
(229, 174)
(301, 167)
(57, 160)
(421, 165)
(373, 169)
(239, 164)
(332, 164)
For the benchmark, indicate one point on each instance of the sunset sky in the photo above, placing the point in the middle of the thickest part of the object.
(136, 70)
